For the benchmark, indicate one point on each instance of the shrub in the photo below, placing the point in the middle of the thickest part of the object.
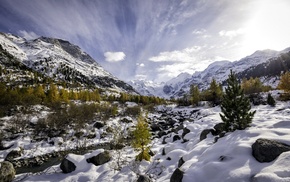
(270, 100)
(132, 111)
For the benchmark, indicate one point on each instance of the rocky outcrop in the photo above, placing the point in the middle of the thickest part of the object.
(67, 166)
(265, 150)
(100, 159)
(7, 172)
(177, 176)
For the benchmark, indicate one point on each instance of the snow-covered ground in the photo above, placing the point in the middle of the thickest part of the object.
(229, 159)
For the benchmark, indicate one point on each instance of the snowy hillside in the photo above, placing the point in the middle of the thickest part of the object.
(199, 157)
(219, 70)
(147, 88)
(61, 60)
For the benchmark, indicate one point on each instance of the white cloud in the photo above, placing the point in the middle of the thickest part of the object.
(231, 33)
(28, 35)
(185, 55)
(114, 56)
(199, 31)
(140, 64)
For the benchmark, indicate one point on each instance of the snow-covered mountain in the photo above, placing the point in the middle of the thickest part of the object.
(148, 88)
(61, 60)
(220, 70)
(163, 89)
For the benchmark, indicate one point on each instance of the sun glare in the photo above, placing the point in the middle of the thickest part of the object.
(269, 27)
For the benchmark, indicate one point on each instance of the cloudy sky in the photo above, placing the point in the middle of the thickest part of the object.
(154, 39)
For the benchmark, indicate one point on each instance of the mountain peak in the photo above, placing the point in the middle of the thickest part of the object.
(61, 60)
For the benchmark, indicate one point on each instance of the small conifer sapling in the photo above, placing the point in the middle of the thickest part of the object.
(235, 106)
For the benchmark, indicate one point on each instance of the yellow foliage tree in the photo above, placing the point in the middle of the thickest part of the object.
(142, 138)
(285, 82)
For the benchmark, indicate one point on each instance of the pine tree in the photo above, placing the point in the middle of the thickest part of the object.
(235, 106)
(142, 139)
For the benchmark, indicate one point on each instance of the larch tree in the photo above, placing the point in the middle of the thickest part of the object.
(235, 106)
(194, 95)
(142, 139)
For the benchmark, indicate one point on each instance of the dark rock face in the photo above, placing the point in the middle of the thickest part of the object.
(143, 178)
(265, 150)
(180, 162)
(167, 89)
(204, 133)
(177, 176)
(98, 125)
(67, 166)
(100, 159)
(7, 172)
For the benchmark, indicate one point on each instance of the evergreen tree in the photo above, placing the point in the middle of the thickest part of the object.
(235, 106)
(270, 100)
(195, 95)
(142, 139)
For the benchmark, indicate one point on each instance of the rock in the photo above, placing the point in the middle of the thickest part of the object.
(161, 133)
(151, 153)
(185, 131)
(143, 178)
(7, 172)
(163, 152)
(5, 148)
(177, 176)
(219, 128)
(155, 127)
(265, 150)
(13, 154)
(176, 137)
(125, 120)
(204, 133)
(180, 162)
(100, 159)
(67, 166)
(98, 125)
